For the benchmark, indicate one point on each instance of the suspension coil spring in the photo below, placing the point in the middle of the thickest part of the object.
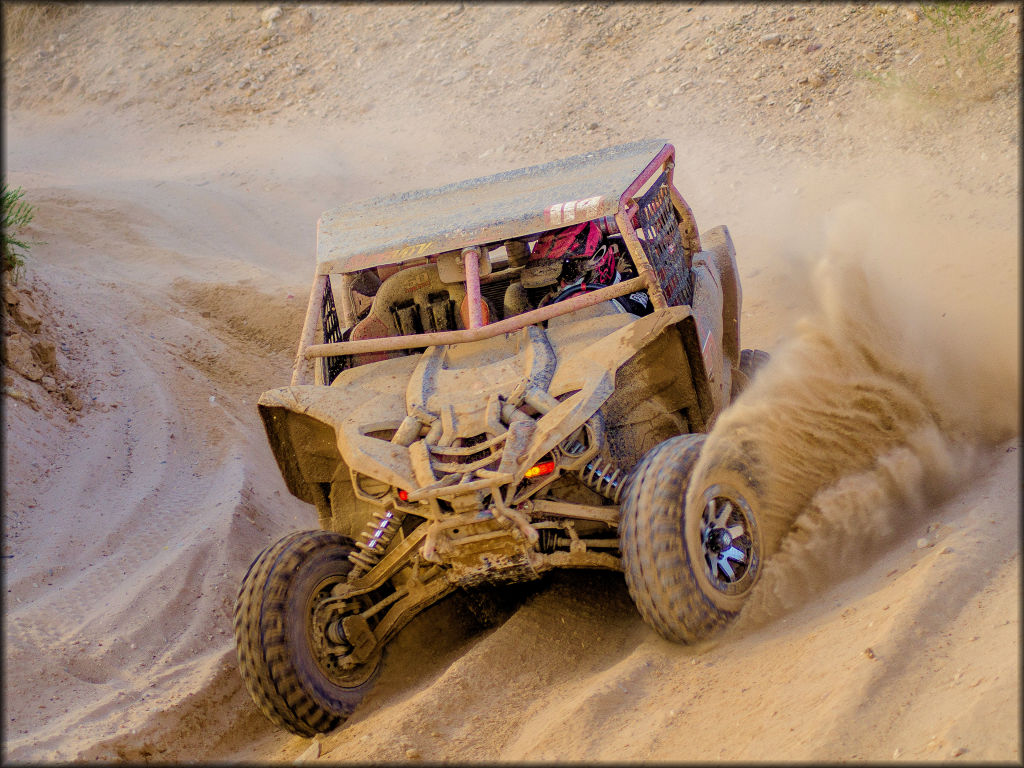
(602, 476)
(548, 540)
(374, 540)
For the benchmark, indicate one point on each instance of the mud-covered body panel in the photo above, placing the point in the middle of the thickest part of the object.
(366, 404)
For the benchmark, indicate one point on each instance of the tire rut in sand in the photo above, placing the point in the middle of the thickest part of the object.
(270, 322)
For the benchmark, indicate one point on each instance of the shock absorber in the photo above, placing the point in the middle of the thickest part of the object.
(602, 476)
(374, 540)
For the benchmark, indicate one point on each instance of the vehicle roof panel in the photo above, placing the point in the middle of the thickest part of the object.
(395, 228)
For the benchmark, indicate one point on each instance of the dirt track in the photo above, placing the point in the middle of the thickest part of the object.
(179, 157)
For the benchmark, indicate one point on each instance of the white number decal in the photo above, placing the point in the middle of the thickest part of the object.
(573, 211)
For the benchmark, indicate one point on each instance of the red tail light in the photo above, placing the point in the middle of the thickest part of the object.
(539, 470)
(403, 495)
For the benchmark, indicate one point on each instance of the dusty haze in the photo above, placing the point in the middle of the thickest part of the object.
(866, 161)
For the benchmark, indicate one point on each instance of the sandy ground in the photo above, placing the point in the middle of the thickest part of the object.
(178, 156)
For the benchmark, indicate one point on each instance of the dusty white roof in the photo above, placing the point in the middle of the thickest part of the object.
(396, 228)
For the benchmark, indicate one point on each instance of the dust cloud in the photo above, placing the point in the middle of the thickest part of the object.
(883, 400)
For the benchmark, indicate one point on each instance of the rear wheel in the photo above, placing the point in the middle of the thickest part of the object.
(287, 633)
(751, 361)
(689, 568)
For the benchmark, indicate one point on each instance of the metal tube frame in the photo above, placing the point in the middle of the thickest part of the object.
(646, 280)
(471, 263)
(510, 325)
(316, 299)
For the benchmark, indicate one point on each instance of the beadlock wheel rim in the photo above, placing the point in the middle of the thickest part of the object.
(728, 538)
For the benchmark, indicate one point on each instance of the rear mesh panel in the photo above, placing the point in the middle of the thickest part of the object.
(332, 366)
(663, 243)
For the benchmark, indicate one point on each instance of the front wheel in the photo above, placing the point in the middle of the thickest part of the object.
(287, 619)
(689, 567)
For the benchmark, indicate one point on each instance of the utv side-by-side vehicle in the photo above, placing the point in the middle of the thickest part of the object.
(497, 378)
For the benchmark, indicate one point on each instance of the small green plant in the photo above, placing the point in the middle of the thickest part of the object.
(971, 30)
(967, 52)
(18, 213)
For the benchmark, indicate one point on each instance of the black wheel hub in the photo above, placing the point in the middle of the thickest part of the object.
(719, 540)
(326, 637)
(336, 633)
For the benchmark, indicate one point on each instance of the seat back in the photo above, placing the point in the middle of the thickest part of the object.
(413, 300)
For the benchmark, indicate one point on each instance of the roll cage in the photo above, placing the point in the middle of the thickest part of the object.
(467, 242)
